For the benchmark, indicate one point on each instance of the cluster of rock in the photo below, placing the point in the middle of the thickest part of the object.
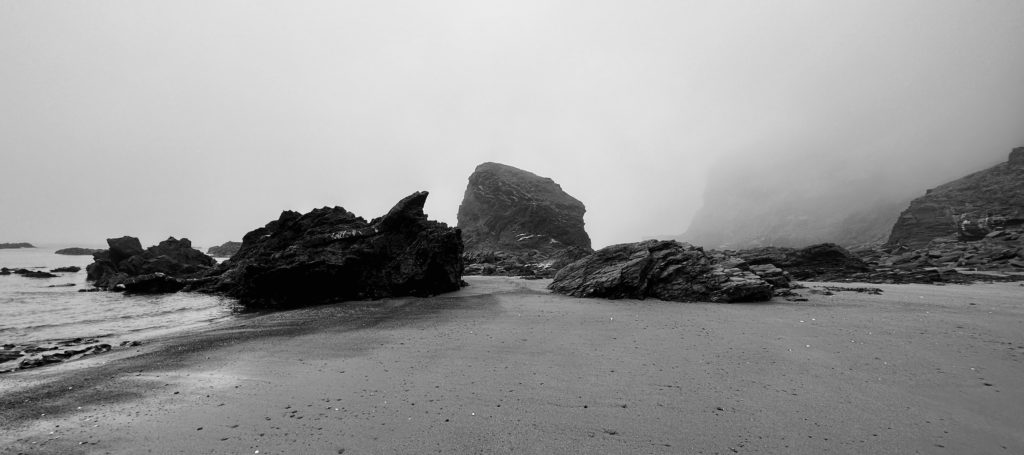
(225, 250)
(11, 246)
(76, 251)
(331, 255)
(165, 267)
(24, 356)
(997, 256)
(27, 273)
(666, 270)
(517, 223)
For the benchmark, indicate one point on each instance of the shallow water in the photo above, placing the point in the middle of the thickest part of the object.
(31, 312)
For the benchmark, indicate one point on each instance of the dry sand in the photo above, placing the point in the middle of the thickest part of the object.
(505, 367)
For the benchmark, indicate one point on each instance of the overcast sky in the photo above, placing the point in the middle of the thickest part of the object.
(206, 119)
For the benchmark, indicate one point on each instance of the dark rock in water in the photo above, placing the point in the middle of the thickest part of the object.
(526, 223)
(6, 271)
(666, 270)
(226, 250)
(34, 273)
(819, 262)
(152, 283)
(75, 251)
(969, 208)
(124, 248)
(331, 255)
(126, 259)
(68, 269)
(7, 246)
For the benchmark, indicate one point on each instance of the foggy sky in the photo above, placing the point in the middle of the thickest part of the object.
(206, 119)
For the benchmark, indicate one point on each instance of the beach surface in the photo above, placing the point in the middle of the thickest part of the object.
(504, 366)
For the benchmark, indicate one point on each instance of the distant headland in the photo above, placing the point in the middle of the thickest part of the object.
(11, 246)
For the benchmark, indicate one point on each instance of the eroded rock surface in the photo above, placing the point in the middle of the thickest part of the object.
(331, 255)
(665, 270)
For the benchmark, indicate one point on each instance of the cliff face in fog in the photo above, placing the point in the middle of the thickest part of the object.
(795, 203)
(971, 205)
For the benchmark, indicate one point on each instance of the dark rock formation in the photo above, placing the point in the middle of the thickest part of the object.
(969, 208)
(126, 258)
(7, 246)
(665, 270)
(818, 262)
(226, 250)
(75, 251)
(517, 223)
(27, 273)
(331, 255)
(152, 283)
(68, 269)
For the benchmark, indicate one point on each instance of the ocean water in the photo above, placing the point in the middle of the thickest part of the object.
(31, 312)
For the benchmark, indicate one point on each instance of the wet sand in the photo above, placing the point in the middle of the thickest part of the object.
(505, 367)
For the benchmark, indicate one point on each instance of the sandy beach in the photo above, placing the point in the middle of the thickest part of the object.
(503, 366)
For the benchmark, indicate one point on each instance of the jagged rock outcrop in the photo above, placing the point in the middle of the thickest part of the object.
(665, 270)
(966, 209)
(225, 250)
(331, 255)
(76, 251)
(113, 268)
(515, 222)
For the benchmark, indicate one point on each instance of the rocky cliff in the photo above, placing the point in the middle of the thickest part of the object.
(968, 208)
(519, 223)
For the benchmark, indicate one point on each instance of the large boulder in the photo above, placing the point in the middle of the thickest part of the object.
(126, 259)
(331, 255)
(665, 270)
(968, 208)
(525, 220)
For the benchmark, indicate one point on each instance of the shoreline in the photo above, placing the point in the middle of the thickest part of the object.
(505, 366)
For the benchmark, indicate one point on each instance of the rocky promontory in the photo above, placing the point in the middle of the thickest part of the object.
(225, 250)
(966, 209)
(11, 246)
(331, 255)
(665, 270)
(157, 269)
(515, 222)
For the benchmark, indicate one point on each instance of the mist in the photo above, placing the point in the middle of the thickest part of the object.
(206, 120)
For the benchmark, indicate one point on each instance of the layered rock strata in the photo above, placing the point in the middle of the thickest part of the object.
(968, 208)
